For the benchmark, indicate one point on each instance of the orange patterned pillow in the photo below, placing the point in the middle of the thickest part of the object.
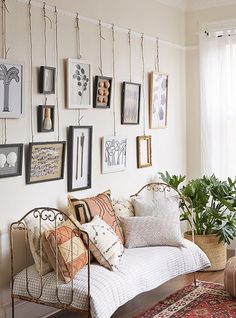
(72, 254)
(85, 209)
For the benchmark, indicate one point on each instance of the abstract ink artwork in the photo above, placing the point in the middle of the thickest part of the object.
(102, 92)
(79, 157)
(113, 154)
(47, 80)
(46, 118)
(45, 161)
(144, 151)
(11, 89)
(130, 103)
(79, 86)
(158, 100)
(11, 160)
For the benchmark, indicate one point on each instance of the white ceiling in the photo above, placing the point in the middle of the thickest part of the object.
(192, 5)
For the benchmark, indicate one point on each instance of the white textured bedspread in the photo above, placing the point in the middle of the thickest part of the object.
(140, 270)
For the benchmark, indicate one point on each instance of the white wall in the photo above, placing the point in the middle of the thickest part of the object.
(169, 145)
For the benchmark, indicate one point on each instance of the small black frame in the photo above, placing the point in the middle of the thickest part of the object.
(130, 106)
(79, 166)
(103, 91)
(10, 161)
(47, 75)
(46, 112)
(42, 153)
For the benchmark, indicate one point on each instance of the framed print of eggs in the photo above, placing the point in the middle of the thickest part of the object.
(102, 92)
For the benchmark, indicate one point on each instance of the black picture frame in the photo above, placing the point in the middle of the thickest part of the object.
(130, 103)
(11, 156)
(46, 116)
(47, 75)
(79, 165)
(38, 165)
(102, 92)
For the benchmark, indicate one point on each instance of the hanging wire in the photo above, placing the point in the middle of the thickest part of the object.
(78, 52)
(143, 85)
(45, 33)
(100, 47)
(31, 70)
(157, 60)
(114, 79)
(57, 72)
(130, 55)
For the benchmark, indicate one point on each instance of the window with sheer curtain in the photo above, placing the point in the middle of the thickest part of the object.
(218, 103)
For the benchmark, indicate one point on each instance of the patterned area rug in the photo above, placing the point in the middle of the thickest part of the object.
(207, 300)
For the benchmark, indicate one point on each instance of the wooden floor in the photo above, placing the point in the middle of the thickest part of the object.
(146, 300)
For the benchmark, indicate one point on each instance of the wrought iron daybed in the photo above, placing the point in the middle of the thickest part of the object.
(96, 291)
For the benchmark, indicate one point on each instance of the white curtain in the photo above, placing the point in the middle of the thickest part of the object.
(218, 104)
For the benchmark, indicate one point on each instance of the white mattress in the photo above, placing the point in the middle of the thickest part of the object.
(140, 270)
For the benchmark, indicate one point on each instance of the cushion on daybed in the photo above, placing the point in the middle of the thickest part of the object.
(140, 270)
(85, 209)
(105, 245)
(64, 241)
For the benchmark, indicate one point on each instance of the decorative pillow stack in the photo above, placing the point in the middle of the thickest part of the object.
(157, 223)
(65, 245)
(85, 209)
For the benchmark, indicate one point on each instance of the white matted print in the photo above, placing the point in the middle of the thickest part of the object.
(158, 100)
(79, 84)
(113, 154)
(11, 89)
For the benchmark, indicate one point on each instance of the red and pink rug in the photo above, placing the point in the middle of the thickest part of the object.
(207, 300)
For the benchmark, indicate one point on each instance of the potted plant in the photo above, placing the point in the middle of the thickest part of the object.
(214, 213)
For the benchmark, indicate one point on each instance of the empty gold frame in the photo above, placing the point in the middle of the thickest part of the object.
(144, 151)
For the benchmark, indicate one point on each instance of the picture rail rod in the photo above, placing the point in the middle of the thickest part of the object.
(38, 4)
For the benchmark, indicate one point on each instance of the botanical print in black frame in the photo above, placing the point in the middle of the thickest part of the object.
(45, 161)
(11, 160)
(46, 115)
(130, 111)
(102, 92)
(47, 80)
(11, 89)
(79, 157)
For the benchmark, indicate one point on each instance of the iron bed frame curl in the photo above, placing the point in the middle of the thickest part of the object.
(55, 216)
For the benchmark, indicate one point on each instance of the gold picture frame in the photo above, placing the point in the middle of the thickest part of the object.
(144, 151)
(158, 100)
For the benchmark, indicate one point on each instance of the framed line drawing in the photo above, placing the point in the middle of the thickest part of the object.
(11, 89)
(102, 92)
(46, 118)
(11, 160)
(144, 151)
(130, 107)
(47, 77)
(45, 161)
(79, 157)
(79, 84)
(114, 151)
(158, 98)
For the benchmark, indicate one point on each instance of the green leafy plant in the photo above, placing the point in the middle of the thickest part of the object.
(213, 201)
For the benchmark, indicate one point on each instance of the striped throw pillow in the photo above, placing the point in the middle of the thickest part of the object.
(71, 252)
(85, 209)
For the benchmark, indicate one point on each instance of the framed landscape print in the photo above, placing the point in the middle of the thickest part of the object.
(47, 80)
(79, 84)
(102, 92)
(79, 157)
(144, 151)
(114, 154)
(45, 161)
(130, 107)
(46, 118)
(11, 160)
(11, 89)
(158, 100)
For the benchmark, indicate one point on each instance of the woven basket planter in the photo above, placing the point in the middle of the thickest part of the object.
(215, 251)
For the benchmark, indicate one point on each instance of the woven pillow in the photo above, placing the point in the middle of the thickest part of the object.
(123, 207)
(71, 252)
(85, 209)
(152, 231)
(105, 245)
